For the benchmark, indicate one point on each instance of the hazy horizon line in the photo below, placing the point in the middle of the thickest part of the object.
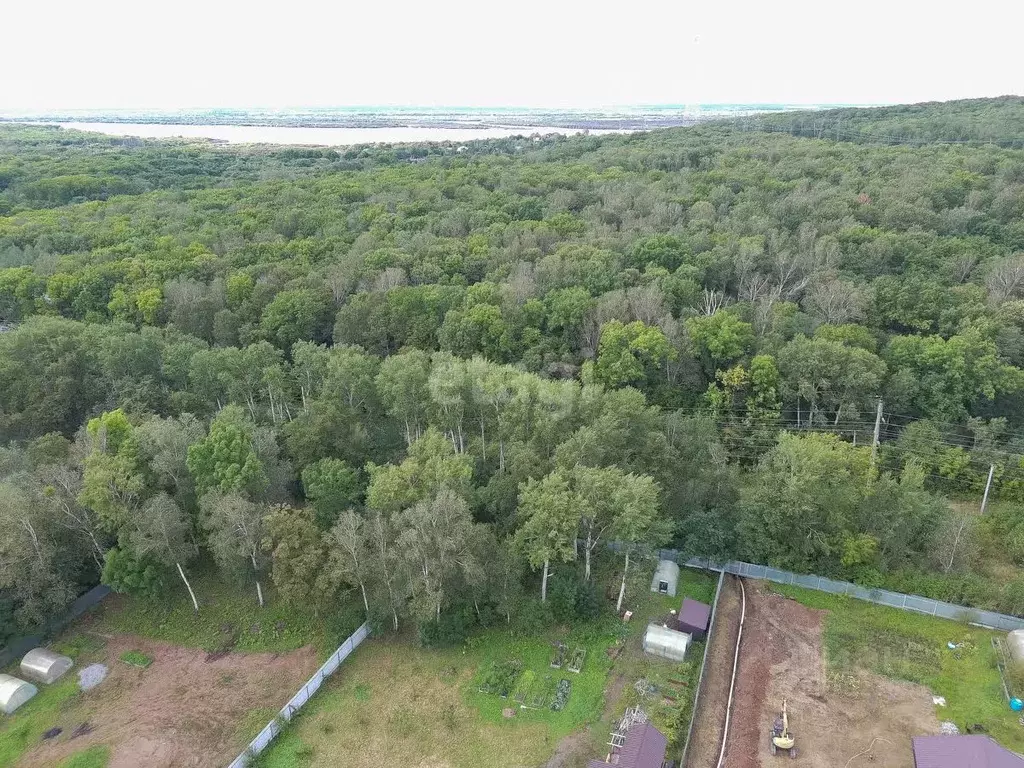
(428, 107)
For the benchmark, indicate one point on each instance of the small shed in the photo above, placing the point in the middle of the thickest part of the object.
(694, 617)
(962, 752)
(45, 666)
(660, 640)
(666, 578)
(14, 693)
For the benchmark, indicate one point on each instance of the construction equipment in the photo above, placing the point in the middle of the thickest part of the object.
(781, 737)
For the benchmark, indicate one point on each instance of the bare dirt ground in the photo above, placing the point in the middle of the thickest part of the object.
(710, 714)
(781, 657)
(182, 710)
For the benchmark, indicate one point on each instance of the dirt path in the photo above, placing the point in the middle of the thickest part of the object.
(182, 710)
(707, 729)
(781, 657)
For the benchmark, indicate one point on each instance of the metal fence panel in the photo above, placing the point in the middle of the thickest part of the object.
(805, 581)
(779, 577)
(303, 695)
(920, 604)
(884, 597)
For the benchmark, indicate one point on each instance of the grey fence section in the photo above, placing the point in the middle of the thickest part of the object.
(273, 728)
(915, 603)
(19, 646)
(703, 667)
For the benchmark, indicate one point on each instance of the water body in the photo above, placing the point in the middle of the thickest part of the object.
(325, 137)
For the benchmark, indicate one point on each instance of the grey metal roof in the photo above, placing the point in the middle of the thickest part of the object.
(962, 752)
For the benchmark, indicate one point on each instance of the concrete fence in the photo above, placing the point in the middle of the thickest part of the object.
(273, 728)
(914, 603)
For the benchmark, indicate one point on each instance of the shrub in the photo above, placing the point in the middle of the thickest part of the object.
(534, 618)
(451, 629)
(123, 572)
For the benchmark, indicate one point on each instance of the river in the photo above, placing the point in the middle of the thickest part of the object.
(326, 137)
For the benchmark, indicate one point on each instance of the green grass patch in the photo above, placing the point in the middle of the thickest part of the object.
(907, 646)
(255, 720)
(50, 707)
(94, 757)
(136, 659)
(24, 729)
(394, 703)
(228, 619)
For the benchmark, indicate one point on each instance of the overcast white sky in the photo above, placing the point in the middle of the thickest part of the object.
(278, 53)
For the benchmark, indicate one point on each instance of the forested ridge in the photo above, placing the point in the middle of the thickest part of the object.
(441, 380)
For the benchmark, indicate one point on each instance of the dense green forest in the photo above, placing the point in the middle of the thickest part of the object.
(441, 380)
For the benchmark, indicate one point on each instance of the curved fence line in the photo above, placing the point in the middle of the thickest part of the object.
(304, 694)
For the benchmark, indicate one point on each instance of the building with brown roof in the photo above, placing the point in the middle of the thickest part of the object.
(644, 747)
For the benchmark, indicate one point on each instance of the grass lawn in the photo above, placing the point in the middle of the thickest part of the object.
(25, 727)
(910, 646)
(394, 703)
(229, 618)
(93, 757)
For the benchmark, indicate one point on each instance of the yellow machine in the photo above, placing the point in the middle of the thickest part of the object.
(781, 737)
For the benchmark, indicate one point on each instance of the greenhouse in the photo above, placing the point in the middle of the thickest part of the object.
(44, 666)
(666, 578)
(659, 640)
(14, 693)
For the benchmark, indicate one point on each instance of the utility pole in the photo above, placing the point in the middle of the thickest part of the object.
(874, 440)
(963, 518)
(988, 485)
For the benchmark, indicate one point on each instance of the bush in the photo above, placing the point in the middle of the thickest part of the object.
(534, 617)
(451, 629)
(501, 677)
(123, 572)
(563, 590)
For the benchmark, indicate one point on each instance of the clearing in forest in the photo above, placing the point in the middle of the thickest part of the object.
(393, 703)
(854, 674)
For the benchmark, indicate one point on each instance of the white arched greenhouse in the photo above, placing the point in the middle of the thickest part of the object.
(45, 666)
(668, 643)
(14, 693)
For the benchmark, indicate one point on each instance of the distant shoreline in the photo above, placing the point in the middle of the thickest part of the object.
(611, 119)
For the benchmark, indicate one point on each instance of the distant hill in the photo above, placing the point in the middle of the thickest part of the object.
(995, 121)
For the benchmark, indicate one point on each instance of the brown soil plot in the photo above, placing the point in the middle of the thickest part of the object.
(781, 657)
(180, 711)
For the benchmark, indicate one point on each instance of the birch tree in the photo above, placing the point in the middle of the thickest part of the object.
(161, 531)
(402, 385)
(235, 533)
(551, 513)
(636, 524)
(435, 539)
(32, 565)
(350, 555)
(380, 537)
